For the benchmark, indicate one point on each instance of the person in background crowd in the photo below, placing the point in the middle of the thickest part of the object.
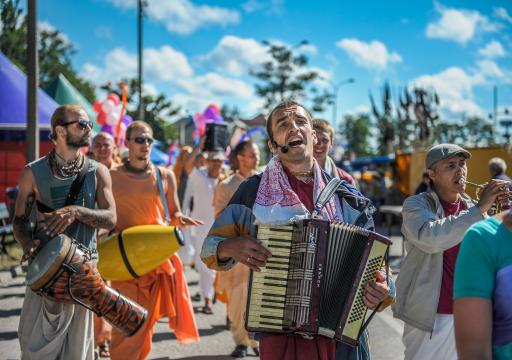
(49, 329)
(325, 140)
(200, 187)
(434, 224)
(286, 189)
(163, 291)
(246, 156)
(483, 289)
(104, 150)
(424, 185)
(180, 172)
(498, 169)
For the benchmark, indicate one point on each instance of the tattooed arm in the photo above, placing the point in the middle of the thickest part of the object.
(21, 223)
(103, 217)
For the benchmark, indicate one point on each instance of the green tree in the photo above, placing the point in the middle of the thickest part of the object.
(13, 34)
(478, 132)
(357, 132)
(230, 114)
(158, 110)
(449, 133)
(54, 51)
(385, 122)
(287, 77)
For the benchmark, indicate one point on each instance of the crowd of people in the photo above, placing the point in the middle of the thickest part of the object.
(451, 292)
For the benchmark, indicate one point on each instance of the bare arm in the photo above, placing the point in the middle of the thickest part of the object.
(24, 203)
(473, 328)
(104, 217)
(189, 164)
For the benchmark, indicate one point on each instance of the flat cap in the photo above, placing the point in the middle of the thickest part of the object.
(444, 151)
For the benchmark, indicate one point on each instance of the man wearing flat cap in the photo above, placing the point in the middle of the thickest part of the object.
(434, 223)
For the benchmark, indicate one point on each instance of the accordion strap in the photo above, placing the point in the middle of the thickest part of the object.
(325, 195)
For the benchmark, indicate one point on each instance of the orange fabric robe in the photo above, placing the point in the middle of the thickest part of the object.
(163, 291)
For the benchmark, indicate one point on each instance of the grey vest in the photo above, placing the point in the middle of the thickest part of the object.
(53, 192)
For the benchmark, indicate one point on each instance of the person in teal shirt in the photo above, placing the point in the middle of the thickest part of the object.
(483, 289)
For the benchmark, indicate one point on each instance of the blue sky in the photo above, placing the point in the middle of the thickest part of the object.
(199, 52)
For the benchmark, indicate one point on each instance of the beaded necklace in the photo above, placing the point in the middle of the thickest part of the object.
(65, 169)
(129, 168)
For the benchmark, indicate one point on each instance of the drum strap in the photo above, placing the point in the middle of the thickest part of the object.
(76, 186)
(162, 195)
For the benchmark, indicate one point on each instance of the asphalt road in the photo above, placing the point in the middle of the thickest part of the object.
(215, 344)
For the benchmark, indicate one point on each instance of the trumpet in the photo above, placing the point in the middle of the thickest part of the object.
(497, 206)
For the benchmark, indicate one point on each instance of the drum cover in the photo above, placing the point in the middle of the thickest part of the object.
(44, 259)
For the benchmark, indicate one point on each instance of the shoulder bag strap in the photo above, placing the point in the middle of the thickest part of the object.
(162, 194)
(77, 184)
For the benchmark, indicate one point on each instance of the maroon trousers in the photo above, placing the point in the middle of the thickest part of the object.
(283, 347)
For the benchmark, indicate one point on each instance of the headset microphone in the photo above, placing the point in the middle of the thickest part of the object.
(284, 148)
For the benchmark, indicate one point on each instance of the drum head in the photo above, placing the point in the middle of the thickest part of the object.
(47, 256)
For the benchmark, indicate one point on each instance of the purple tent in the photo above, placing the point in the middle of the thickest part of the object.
(13, 99)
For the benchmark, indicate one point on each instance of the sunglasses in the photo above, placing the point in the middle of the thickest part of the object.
(143, 140)
(82, 123)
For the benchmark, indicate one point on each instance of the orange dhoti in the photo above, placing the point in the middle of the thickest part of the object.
(163, 292)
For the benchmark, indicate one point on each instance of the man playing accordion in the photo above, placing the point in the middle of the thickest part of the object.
(286, 190)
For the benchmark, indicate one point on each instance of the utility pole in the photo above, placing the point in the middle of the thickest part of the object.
(336, 88)
(139, 41)
(32, 132)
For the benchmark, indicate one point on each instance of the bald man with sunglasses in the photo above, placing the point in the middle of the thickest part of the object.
(163, 291)
(50, 329)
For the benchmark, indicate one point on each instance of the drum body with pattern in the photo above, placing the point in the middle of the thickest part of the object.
(137, 250)
(63, 271)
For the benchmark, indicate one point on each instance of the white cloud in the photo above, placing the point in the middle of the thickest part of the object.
(493, 49)
(502, 13)
(373, 55)
(271, 7)
(103, 32)
(213, 85)
(359, 109)
(308, 49)
(455, 89)
(165, 64)
(47, 26)
(236, 55)
(489, 72)
(162, 64)
(458, 25)
(183, 16)
(168, 70)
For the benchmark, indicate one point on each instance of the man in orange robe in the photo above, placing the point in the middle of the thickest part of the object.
(163, 291)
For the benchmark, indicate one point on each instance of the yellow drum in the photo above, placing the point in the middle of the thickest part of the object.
(137, 250)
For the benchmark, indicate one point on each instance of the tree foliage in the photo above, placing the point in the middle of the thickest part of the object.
(55, 52)
(415, 122)
(287, 77)
(157, 109)
(385, 122)
(357, 132)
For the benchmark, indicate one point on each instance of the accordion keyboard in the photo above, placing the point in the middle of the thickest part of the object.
(269, 286)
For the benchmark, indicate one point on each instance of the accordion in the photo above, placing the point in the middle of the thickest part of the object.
(314, 281)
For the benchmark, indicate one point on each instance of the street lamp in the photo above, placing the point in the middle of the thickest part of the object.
(336, 88)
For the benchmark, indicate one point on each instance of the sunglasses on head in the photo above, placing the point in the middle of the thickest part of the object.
(143, 139)
(81, 122)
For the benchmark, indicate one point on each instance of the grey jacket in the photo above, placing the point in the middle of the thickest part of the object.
(427, 233)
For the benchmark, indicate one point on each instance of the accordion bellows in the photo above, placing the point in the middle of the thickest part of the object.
(314, 281)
